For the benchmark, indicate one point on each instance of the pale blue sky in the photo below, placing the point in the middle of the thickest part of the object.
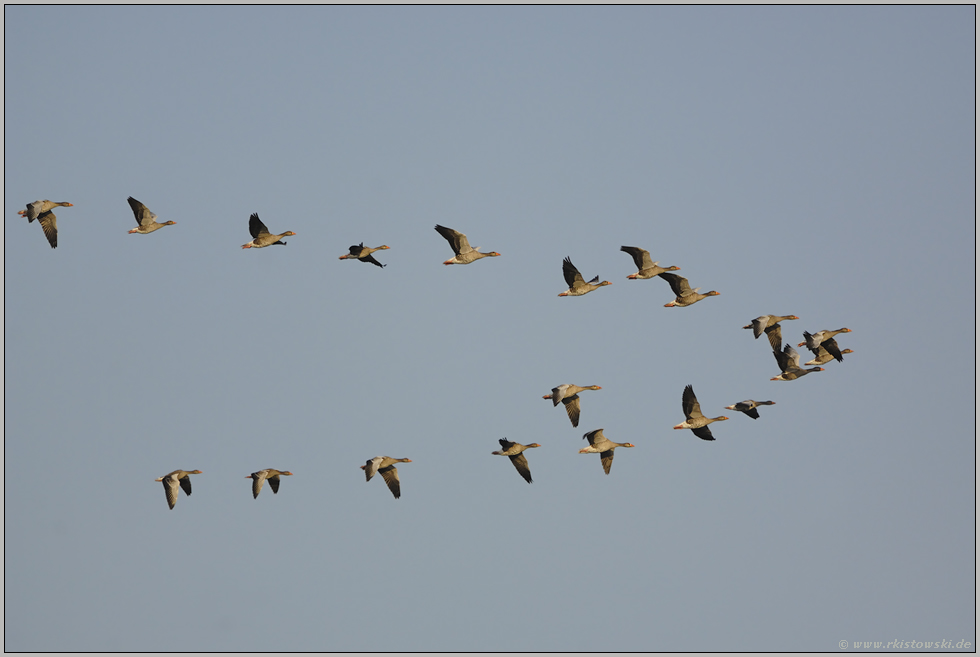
(808, 161)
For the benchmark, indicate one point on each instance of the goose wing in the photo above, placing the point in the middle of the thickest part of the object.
(689, 401)
(258, 478)
(49, 224)
(572, 275)
(704, 433)
(573, 408)
(170, 488)
(607, 457)
(678, 284)
(371, 467)
(142, 213)
(456, 239)
(641, 257)
(521, 464)
(775, 335)
(256, 227)
(390, 475)
(831, 346)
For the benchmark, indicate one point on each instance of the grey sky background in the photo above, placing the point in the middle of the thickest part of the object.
(808, 161)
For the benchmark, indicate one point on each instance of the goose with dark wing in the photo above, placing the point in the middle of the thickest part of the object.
(696, 421)
(576, 283)
(515, 452)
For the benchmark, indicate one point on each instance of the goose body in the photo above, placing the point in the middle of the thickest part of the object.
(567, 394)
(749, 407)
(576, 283)
(269, 474)
(599, 444)
(465, 254)
(37, 208)
(685, 296)
(789, 363)
(515, 452)
(645, 265)
(696, 421)
(146, 221)
(363, 253)
(813, 340)
(769, 324)
(386, 466)
(175, 480)
(42, 211)
(827, 351)
(261, 237)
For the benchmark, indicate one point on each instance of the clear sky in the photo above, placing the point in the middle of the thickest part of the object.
(809, 161)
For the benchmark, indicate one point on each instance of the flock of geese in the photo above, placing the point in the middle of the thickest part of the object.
(822, 344)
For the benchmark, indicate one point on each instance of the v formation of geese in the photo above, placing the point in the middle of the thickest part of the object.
(822, 344)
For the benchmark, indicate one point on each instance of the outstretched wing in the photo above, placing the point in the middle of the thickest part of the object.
(607, 458)
(689, 402)
(391, 478)
(775, 335)
(505, 444)
(704, 433)
(572, 275)
(141, 212)
(678, 284)
(832, 348)
(641, 257)
(256, 227)
(456, 239)
(573, 408)
(370, 258)
(49, 224)
(521, 464)
(258, 478)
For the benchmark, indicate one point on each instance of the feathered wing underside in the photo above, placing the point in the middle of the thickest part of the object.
(390, 475)
(505, 444)
(49, 224)
(185, 483)
(274, 483)
(170, 488)
(258, 478)
(521, 464)
(607, 458)
(689, 402)
(775, 335)
(752, 413)
(256, 227)
(572, 275)
(573, 408)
